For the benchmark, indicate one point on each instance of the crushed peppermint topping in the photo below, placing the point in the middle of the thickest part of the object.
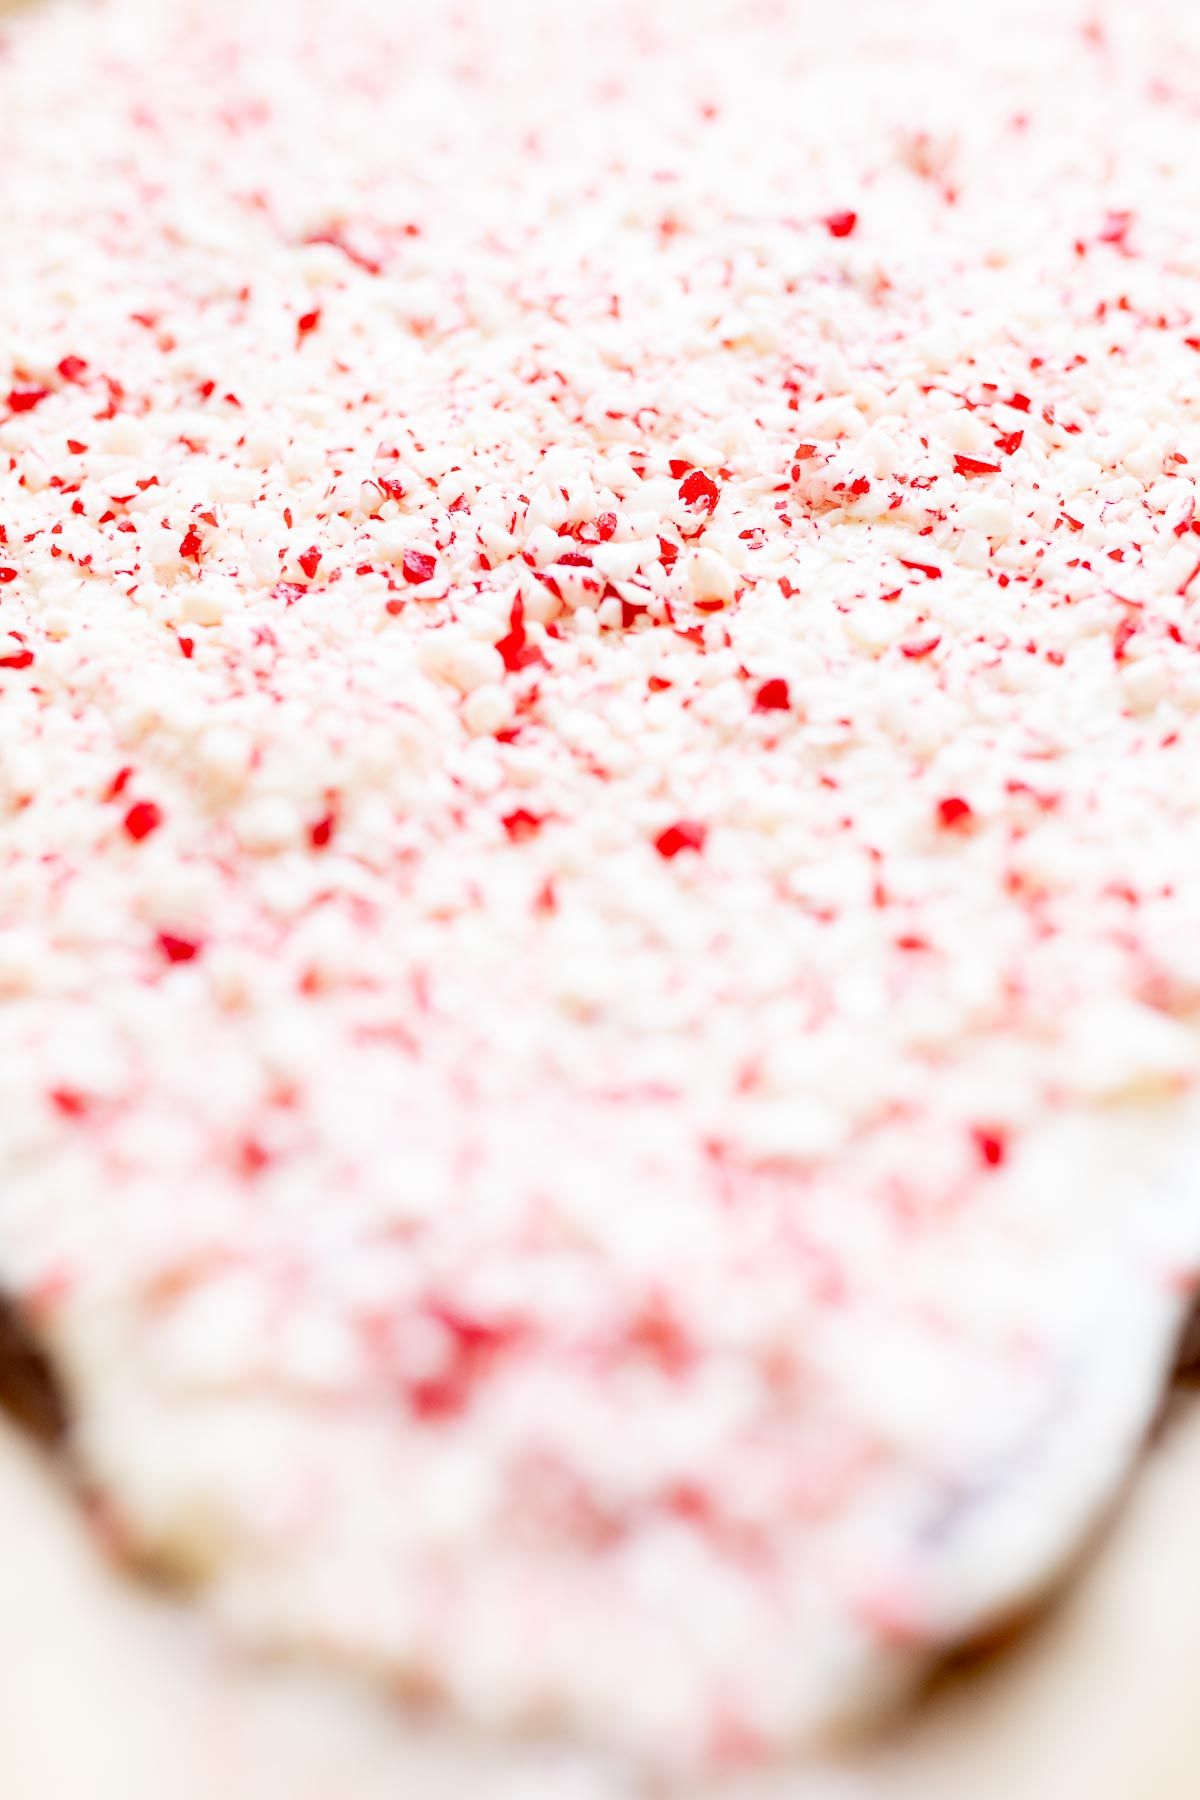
(653, 576)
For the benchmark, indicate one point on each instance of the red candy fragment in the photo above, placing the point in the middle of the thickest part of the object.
(418, 566)
(320, 834)
(700, 490)
(990, 1144)
(72, 368)
(971, 465)
(142, 818)
(514, 647)
(954, 812)
(916, 648)
(773, 696)
(474, 1345)
(24, 399)
(840, 224)
(521, 825)
(685, 834)
(253, 1157)
(178, 949)
(190, 546)
(69, 1102)
(308, 322)
(1127, 629)
(1115, 229)
(310, 561)
(7, 575)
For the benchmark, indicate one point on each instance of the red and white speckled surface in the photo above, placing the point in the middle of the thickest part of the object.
(598, 890)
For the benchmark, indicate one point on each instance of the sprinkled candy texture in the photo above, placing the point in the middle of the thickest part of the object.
(599, 895)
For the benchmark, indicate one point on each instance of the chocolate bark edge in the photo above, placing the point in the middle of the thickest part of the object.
(30, 1393)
